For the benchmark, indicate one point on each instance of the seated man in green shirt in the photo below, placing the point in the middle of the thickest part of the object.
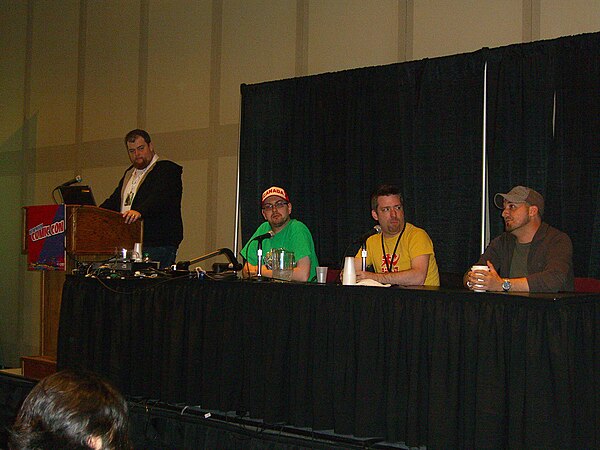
(288, 233)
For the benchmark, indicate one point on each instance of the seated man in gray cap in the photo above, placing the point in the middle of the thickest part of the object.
(531, 256)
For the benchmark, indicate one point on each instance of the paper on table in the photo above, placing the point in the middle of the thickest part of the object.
(369, 282)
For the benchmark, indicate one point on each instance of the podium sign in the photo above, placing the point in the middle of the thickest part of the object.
(58, 237)
(45, 237)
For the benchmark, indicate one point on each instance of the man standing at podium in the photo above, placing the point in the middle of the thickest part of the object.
(150, 189)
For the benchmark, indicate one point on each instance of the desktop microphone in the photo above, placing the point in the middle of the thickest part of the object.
(262, 237)
(77, 179)
(375, 230)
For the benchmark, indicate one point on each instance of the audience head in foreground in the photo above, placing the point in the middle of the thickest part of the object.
(530, 256)
(72, 410)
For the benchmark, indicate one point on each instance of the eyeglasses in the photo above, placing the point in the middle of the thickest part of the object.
(279, 205)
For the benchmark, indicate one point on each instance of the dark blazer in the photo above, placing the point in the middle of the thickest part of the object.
(158, 199)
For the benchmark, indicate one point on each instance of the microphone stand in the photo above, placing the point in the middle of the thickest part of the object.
(259, 254)
(363, 253)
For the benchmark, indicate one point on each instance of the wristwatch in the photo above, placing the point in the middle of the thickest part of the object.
(506, 285)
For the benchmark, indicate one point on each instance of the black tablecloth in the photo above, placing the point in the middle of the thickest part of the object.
(427, 367)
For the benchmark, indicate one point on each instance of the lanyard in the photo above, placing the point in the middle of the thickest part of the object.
(132, 190)
(389, 264)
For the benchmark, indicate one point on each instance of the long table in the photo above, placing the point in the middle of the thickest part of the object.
(435, 367)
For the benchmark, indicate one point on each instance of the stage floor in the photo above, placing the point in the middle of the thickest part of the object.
(16, 371)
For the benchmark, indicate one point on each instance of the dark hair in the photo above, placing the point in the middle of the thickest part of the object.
(383, 191)
(66, 409)
(133, 134)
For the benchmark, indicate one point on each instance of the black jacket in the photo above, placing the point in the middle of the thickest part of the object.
(158, 199)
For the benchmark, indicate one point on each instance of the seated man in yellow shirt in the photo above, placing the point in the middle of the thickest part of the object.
(402, 253)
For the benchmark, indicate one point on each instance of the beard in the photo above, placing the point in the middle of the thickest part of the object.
(512, 225)
(140, 164)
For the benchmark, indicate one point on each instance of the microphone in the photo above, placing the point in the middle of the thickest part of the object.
(375, 230)
(262, 237)
(77, 179)
(233, 262)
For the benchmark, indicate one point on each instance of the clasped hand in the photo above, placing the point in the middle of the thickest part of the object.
(484, 280)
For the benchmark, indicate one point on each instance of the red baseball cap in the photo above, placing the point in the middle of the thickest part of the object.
(277, 191)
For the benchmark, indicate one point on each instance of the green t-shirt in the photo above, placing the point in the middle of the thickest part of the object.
(518, 263)
(294, 237)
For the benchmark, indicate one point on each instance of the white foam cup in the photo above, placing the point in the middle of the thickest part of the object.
(349, 276)
(478, 287)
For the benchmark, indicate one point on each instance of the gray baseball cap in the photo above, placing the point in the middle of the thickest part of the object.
(521, 194)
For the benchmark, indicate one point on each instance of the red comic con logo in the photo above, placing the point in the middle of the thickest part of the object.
(42, 231)
(46, 237)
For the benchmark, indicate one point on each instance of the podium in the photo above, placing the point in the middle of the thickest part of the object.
(78, 234)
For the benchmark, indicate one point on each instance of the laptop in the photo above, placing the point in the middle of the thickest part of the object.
(77, 195)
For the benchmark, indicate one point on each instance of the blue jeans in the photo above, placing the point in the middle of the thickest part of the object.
(165, 255)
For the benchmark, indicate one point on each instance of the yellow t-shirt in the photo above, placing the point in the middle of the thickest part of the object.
(414, 242)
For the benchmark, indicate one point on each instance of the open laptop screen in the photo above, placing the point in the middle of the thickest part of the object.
(77, 195)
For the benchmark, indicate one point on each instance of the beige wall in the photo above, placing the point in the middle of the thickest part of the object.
(76, 75)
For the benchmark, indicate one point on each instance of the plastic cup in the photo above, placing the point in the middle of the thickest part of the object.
(321, 274)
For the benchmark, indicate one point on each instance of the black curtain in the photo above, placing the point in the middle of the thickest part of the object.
(574, 164)
(330, 139)
(544, 132)
(443, 184)
(520, 113)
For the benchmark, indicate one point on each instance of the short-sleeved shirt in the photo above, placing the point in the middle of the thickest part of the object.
(414, 242)
(295, 237)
